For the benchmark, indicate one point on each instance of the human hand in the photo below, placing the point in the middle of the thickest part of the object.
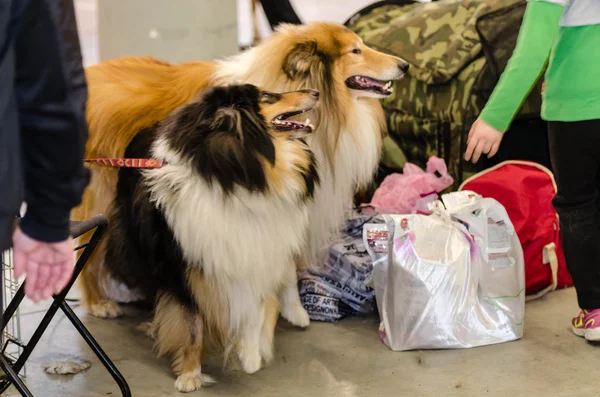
(49, 266)
(483, 139)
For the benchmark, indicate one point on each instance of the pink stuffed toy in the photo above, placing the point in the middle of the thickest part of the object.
(411, 191)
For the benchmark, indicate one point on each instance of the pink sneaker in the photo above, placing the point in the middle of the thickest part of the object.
(587, 325)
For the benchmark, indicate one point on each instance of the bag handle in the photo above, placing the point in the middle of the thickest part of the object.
(548, 257)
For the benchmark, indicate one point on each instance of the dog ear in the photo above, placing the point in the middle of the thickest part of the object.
(299, 61)
(228, 119)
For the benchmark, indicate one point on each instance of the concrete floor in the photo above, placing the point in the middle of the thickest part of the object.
(342, 360)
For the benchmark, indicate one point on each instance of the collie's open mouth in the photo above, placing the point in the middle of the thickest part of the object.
(281, 123)
(365, 83)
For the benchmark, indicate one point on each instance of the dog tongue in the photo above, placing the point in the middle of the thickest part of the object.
(368, 82)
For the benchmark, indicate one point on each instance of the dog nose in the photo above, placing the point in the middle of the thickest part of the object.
(314, 93)
(403, 67)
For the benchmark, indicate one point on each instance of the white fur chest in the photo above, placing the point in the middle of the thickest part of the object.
(358, 153)
(356, 160)
(245, 238)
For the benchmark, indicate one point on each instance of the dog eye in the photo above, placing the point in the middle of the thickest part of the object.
(269, 97)
(356, 51)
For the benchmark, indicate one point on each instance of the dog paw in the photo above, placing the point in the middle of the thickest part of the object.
(192, 381)
(188, 382)
(106, 309)
(296, 315)
(251, 361)
(66, 367)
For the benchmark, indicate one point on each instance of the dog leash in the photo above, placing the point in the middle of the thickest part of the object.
(127, 162)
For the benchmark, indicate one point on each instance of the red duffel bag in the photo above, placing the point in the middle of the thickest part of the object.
(526, 190)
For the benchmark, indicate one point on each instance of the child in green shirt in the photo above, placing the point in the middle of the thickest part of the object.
(571, 105)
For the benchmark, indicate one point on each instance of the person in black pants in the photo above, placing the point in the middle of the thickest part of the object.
(575, 154)
(43, 133)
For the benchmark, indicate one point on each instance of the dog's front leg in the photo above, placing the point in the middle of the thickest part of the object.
(250, 343)
(179, 332)
(289, 298)
(271, 309)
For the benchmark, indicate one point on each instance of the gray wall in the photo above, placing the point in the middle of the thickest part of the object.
(172, 30)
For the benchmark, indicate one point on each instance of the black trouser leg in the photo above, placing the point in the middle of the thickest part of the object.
(279, 11)
(575, 156)
(1, 299)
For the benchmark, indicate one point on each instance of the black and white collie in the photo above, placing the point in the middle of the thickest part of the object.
(213, 233)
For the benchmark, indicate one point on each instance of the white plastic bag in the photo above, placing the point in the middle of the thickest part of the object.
(454, 279)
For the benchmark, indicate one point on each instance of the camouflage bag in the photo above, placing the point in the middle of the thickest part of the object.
(457, 50)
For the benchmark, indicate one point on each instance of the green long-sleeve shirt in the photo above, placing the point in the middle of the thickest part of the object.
(536, 37)
(573, 76)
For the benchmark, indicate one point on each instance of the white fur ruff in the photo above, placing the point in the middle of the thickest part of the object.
(355, 163)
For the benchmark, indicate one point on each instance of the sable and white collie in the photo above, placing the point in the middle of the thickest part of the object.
(129, 94)
(213, 233)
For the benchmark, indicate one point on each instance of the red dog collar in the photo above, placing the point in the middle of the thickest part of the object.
(127, 163)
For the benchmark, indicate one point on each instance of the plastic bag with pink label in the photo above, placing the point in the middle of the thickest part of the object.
(453, 279)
